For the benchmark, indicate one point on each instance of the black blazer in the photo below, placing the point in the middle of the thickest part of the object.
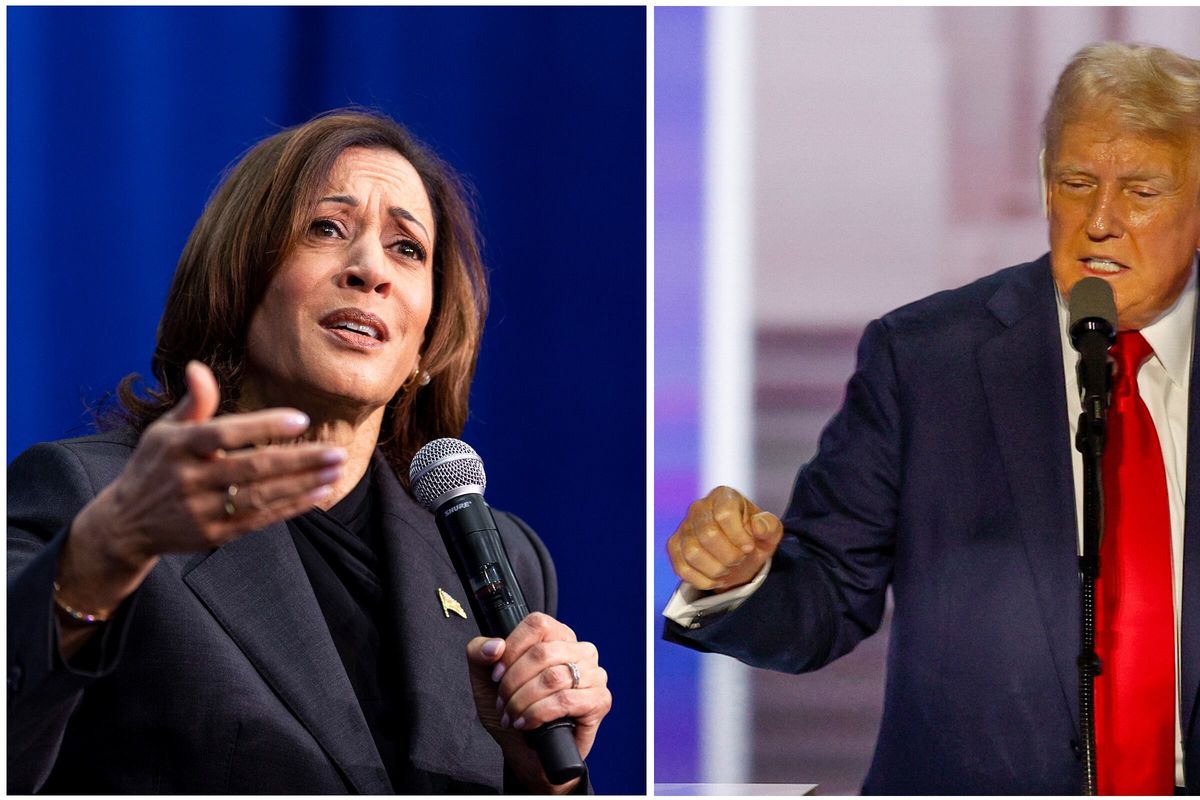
(219, 673)
(947, 476)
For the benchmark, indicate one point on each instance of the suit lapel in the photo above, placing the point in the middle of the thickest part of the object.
(1189, 679)
(257, 589)
(446, 737)
(1024, 386)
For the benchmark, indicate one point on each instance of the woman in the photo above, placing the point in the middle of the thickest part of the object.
(235, 591)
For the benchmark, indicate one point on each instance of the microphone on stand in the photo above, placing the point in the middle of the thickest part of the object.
(1093, 330)
(447, 478)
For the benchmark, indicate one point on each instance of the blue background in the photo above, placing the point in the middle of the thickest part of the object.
(120, 122)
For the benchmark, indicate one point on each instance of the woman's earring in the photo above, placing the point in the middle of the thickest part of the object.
(417, 379)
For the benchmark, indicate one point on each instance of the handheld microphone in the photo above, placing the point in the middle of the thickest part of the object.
(447, 478)
(1093, 329)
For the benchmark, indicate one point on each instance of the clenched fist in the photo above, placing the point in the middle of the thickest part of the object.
(723, 541)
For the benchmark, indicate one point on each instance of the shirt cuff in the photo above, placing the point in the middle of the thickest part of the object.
(688, 604)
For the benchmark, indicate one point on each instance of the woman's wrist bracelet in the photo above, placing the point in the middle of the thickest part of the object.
(82, 617)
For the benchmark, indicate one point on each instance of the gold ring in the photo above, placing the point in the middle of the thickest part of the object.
(574, 675)
(230, 492)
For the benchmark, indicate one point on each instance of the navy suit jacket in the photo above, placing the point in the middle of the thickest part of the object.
(947, 475)
(219, 674)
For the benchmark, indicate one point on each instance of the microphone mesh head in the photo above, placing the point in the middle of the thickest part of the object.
(1093, 297)
(442, 466)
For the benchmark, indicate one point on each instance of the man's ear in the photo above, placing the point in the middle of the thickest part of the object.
(1043, 183)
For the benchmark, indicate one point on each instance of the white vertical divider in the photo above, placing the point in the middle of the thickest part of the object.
(727, 381)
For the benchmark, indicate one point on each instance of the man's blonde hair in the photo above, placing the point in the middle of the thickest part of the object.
(1148, 90)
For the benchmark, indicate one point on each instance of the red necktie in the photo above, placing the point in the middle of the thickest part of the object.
(1135, 622)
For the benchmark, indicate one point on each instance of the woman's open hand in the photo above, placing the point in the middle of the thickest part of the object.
(194, 482)
(526, 680)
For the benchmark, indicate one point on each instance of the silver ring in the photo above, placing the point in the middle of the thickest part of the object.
(230, 492)
(574, 675)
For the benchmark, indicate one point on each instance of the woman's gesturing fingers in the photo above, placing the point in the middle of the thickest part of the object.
(195, 481)
(190, 424)
(188, 486)
(238, 431)
(203, 395)
(298, 497)
(260, 469)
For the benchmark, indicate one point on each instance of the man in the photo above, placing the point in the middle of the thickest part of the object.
(949, 473)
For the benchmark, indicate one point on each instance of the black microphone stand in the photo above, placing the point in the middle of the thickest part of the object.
(1089, 442)
(1095, 376)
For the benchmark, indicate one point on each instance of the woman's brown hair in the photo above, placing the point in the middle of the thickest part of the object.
(255, 218)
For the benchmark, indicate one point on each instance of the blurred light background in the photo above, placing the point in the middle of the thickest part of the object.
(121, 120)
(886, 153)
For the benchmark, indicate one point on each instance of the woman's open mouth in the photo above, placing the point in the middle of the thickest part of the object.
(358, 328)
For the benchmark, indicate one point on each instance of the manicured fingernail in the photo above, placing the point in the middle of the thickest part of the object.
(334, 455)
(504, 721)
(747, 548)
(297, 421)
(491, 647)
(320, 493)
(499, 703)
(498, 673)
(329, 474)
(520, 723)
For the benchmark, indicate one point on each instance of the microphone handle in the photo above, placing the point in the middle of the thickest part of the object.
(474, 543)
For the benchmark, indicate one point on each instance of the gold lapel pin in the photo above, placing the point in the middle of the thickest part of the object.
(450, 604)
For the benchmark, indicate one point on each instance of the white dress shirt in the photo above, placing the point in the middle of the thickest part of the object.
(1163, 385)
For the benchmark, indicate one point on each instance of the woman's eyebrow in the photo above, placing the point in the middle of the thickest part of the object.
(395, 211)
(403, 213)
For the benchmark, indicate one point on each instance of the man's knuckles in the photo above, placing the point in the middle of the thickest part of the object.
(728, 515)
(699, 509)
(711, 537)
(725, 495)
(692, 554)
(722, 549)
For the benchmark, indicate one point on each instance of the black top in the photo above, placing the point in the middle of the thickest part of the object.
(340, 551)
